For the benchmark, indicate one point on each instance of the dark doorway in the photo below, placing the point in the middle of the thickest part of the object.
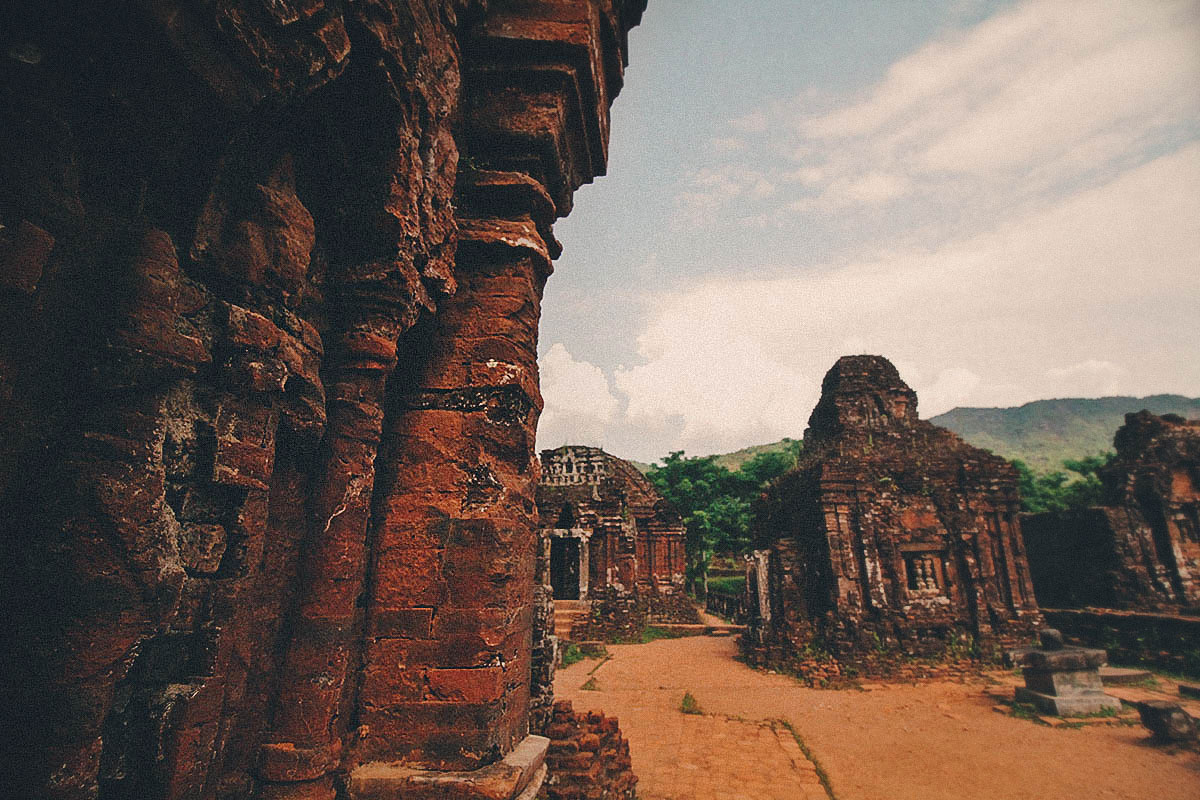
(564, 567)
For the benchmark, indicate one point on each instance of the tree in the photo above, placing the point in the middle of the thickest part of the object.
(1058, 491)
(765, 467)
(715, 502)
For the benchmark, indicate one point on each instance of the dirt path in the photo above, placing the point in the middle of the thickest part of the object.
(937, 740)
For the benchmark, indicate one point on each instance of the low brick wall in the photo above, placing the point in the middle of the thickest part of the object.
(613, 616)
(1165, 641)
(674, 606)
(588, 758)
(617, 616)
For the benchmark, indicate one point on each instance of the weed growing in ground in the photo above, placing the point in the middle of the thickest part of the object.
(603, 661)
(690, 705)
(573, 654)
(590, 686)
(1148, 682)
(822, 775)
(1026, 711)
(1101, 714)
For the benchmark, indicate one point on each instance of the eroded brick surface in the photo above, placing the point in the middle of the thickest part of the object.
(1140, 550)
(270, 276)
(588, 758)
(603, 524)
(890, 536)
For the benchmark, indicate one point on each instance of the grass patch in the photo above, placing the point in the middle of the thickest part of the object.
(822, 775)
(648, 634)
(1104, 712)
(1148, 682)
(590, 686)
(572, 655)
(653, 632)
(1026, 711)
(690, 705)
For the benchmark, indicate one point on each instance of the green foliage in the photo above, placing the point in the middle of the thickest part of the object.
(735, 460)
(1026, 711)
(590, 685)
(1058, 491)
(690, 705)
(652, 633)
(732, 585)
(715, 502)
(572, 655)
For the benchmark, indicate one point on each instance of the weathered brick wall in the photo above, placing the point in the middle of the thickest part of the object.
(270, 276)
(891, 533)
(634, 535)
(614, 615)
(588, 758)
(1141, 549)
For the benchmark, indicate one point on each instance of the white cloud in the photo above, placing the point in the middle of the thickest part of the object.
(713, 188)
(872, 189)
(754, 122)
(953, 387)
(579, 405)
(1005, 115)
(994, 317)
(727, 144)
(1011, 212)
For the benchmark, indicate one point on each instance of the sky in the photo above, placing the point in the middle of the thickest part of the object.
(1003, 198)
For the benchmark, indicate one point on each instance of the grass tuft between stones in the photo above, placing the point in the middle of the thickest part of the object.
(822, 775)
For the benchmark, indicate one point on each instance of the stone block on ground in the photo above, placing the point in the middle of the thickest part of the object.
(1166, 721)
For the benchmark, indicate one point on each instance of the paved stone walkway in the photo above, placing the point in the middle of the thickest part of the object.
(704, 756)
(938, 741)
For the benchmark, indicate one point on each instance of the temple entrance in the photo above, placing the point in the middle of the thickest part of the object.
(564, 567)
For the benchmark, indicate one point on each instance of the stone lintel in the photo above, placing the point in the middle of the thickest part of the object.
(1067, 659)
(517, 776)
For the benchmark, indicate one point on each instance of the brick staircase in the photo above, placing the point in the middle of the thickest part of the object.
(565, 614)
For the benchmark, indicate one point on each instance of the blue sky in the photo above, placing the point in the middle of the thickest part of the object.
(1001, 197)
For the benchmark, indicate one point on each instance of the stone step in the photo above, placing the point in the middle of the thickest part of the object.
(565, 614)
(563, 622)
(1120, 676)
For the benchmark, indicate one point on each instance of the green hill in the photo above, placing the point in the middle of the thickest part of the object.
(732, 461)
(1045, 432)
(1042, 434)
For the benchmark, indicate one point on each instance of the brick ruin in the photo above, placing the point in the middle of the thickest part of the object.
(1140, 550)
(604, 525)
(891, 535)
(270, 276)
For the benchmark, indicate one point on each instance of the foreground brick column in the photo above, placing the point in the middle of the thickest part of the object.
(306, 745)
(445, 689)
(446, 674)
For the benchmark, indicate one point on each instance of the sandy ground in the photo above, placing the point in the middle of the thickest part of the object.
(935, 740)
